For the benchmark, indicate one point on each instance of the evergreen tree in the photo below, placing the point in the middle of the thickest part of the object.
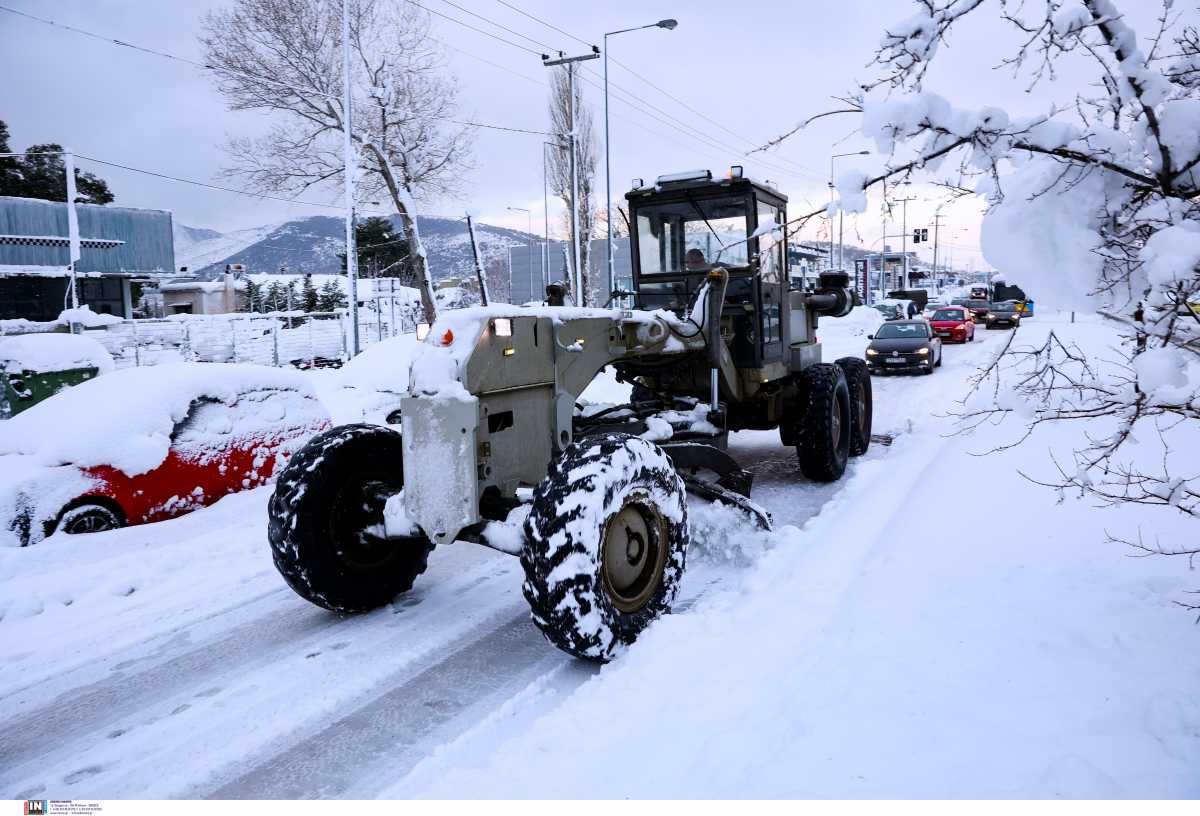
(251, 297)
(309, 297)
(44, 176)
(382, 252)
(10, 175)
(291, 300)
(275, 298)
(331, 298)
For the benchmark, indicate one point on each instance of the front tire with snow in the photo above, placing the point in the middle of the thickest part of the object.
(326, 521)
(606, 544)
(823, 437)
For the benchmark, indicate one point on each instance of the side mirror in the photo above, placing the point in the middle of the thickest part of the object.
(870, 337)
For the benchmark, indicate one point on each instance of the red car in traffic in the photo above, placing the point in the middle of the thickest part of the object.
(953, 323)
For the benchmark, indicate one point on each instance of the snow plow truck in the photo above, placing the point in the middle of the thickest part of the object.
(494, 447)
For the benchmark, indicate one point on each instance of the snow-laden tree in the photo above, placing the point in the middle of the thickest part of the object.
(1095, 204)
(284, 57)
(560, 170)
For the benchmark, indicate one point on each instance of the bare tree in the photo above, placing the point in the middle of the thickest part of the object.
(1112, 176)
(560, 169)
(284, 57)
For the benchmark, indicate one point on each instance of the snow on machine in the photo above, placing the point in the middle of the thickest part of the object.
(491, 431)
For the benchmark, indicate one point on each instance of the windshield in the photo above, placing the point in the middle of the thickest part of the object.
(948, 314)
(901, 331)
(978, 304)
(692, 235)
(1004, 307)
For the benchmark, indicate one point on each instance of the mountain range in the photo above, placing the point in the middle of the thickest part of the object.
(315, 245)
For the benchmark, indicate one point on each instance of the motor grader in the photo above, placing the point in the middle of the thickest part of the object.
(494, 446)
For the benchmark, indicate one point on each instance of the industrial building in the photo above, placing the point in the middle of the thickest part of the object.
(532, 266)
(119, 247)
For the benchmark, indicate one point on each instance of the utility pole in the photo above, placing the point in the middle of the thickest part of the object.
(904, 235)
(484, 299)
(348, 172)
(937, 222)
(841, 213)
(669, 25)
(577, 259)
(72, 235)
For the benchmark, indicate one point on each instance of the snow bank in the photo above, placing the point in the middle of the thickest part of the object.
(53, 351)
(872, 653)
(125, 418)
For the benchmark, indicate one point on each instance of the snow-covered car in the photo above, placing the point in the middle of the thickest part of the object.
(36, 366)
(146, 444)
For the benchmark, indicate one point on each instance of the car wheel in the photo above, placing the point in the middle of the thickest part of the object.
(938, 364)
(88, 517)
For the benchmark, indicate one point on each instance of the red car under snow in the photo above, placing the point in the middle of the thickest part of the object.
(954, 323)
(147, 444)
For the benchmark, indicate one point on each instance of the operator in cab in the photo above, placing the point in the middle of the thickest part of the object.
(694, 259)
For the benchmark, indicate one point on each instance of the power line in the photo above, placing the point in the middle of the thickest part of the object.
(546, 24)
(474, 28)
(705, 117)
(164, 54)
(206, 67)
(669, 121)
(724, 146)
(499, 25)
(168, 177)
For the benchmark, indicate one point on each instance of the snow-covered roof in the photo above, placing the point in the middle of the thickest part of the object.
(125, 418)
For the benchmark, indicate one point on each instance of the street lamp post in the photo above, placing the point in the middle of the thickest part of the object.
(841, 246)
(669, 25)
(528, 241)
(572, 140)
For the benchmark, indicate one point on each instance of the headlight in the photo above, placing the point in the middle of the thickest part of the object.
(989, 315)
(871, 352)
(923, 351)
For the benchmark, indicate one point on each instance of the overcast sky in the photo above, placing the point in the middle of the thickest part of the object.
(754, 68)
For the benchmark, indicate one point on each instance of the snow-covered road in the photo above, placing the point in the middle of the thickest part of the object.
(190, 669)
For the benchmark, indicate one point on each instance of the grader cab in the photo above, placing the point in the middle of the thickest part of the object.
(495, 447)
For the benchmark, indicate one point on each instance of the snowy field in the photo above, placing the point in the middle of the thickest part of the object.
(933, 626)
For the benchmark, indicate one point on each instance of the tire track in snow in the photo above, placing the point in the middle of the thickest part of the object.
(82, 723)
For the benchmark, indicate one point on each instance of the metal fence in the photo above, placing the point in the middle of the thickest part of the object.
(295, 339)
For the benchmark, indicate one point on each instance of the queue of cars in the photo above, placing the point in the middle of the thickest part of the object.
(914, 344)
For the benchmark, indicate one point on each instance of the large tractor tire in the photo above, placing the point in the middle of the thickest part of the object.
(326, 521)
(606, 542)
(824, 431)
(858, 381)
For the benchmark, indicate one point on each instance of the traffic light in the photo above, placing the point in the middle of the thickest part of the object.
(916, 236)
(924, 235)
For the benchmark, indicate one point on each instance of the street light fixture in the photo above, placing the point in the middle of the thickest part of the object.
(669, 25)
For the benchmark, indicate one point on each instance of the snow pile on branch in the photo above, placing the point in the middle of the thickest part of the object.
(852, 194)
